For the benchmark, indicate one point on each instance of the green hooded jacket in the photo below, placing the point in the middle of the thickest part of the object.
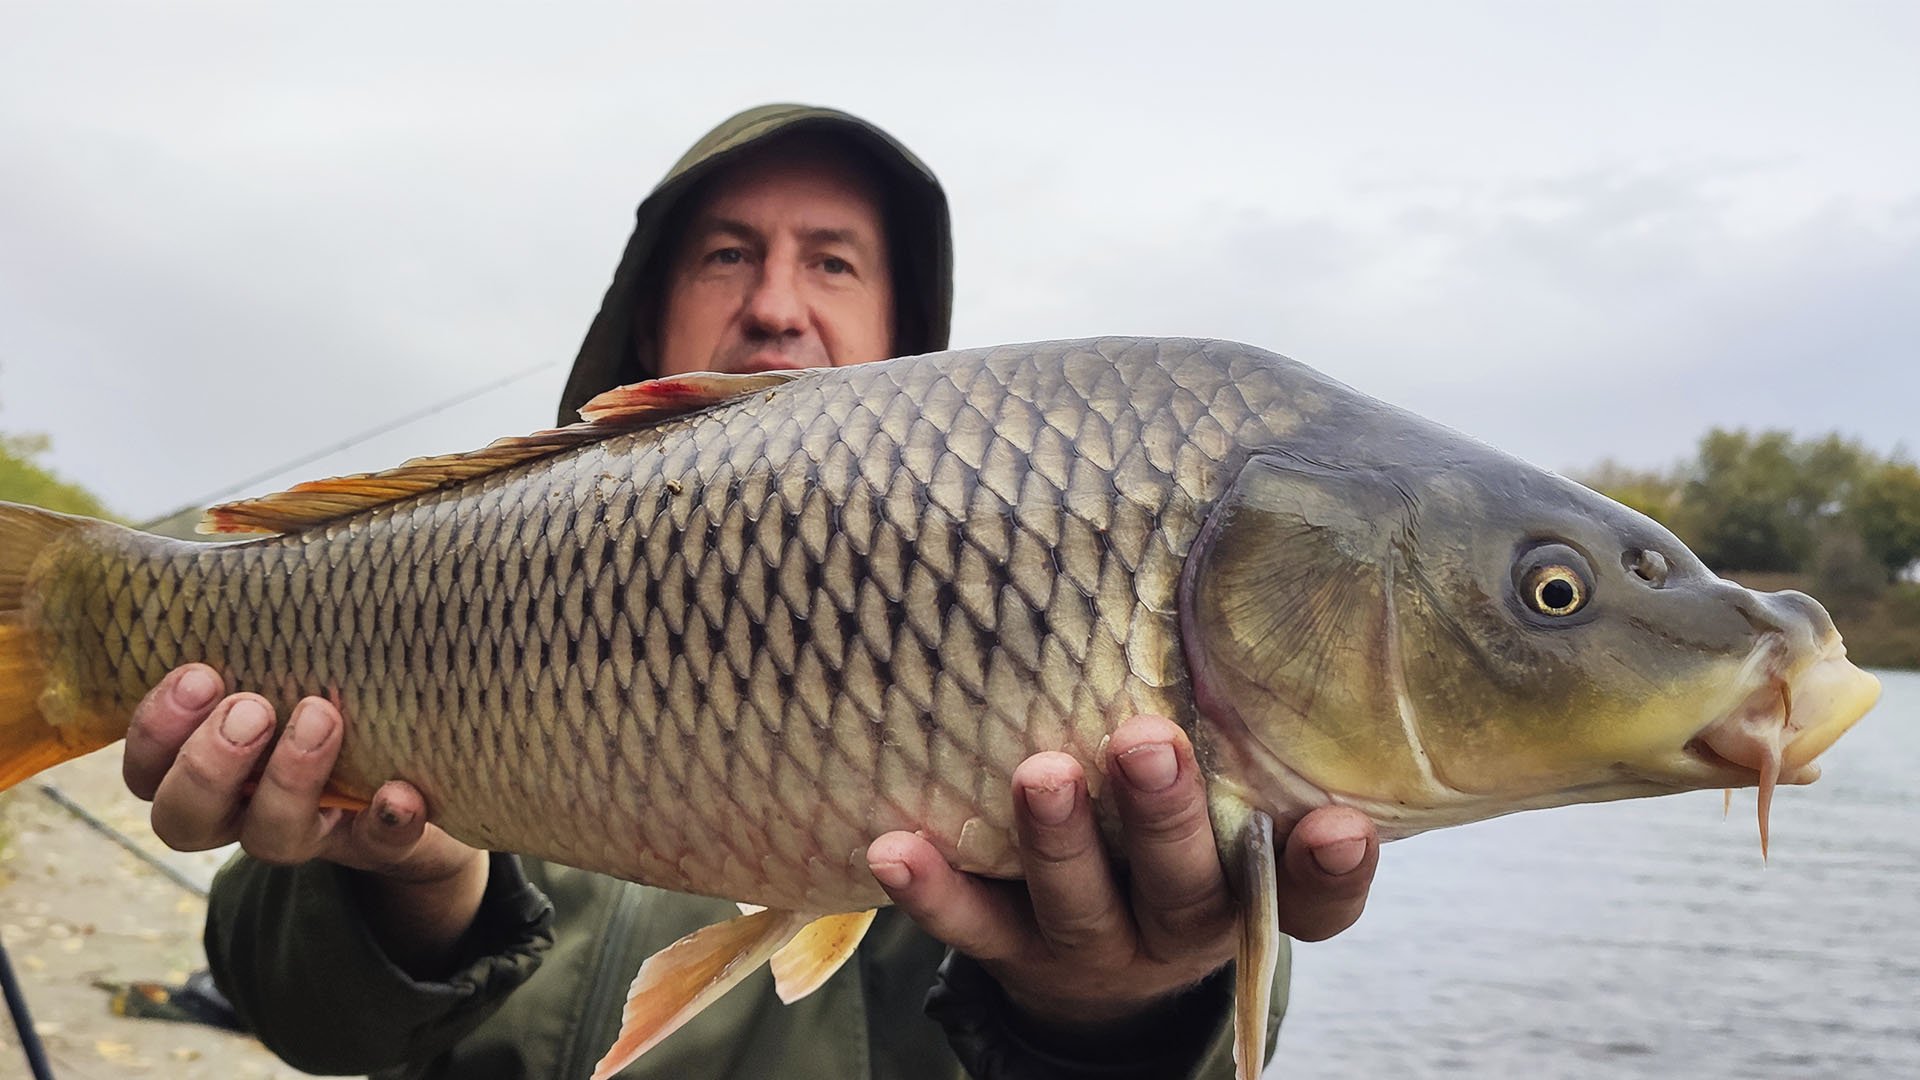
(544, 970)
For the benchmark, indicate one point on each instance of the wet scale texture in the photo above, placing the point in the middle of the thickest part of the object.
(722, 653)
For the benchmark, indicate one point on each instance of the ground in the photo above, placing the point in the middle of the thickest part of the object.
(77, 909)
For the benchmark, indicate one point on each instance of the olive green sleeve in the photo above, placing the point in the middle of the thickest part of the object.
(290, 950)
(1190, 1036)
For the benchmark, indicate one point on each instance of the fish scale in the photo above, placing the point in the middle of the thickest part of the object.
(732, 628)
(752, 638)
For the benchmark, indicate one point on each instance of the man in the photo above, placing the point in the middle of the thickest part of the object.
(789, 237)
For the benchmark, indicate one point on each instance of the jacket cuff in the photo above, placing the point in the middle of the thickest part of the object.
(996, 1041)
(288, 945)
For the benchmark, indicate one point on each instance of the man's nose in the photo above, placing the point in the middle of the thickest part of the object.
(774, 307)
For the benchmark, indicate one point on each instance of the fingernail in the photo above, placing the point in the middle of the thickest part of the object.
(308, 729)
(391, 818)
(195, 689)
(246, 721)
(894, 875)
(1341, 856)
(1050, 805)
(1151, 767)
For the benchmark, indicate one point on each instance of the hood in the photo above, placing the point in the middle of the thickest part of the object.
(920, 238)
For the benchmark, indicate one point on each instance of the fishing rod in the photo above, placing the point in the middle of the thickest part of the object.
(349, 443)
(93, 821)
(23, 1020)
(16, 998)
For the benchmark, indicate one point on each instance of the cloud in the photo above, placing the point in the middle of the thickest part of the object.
(1603, 313)
(232, 237)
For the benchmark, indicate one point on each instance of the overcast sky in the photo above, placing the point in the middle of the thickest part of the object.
(233, 233)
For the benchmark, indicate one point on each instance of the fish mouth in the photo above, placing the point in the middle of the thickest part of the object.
(1773, 735)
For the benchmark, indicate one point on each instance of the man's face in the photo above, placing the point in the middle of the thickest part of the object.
(783, 265)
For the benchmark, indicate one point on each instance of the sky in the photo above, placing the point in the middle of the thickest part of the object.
(233, 235)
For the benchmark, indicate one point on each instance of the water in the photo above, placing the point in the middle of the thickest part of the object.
(1642, 938)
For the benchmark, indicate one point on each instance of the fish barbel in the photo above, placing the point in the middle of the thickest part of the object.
(739, 626)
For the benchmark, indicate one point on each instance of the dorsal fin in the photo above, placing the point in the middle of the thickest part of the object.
(621, 409)
(642, 403)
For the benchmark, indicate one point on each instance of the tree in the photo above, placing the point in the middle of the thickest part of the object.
(1843, 568)
(1653, 493)
(24, 480)
(1830, 472)
(1885, 508)
(1769, 502)
(1738, 508)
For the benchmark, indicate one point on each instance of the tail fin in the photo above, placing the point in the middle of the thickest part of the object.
(30, 741)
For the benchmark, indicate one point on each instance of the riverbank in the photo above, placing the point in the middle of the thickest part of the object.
(79, 912)
(1881, 631)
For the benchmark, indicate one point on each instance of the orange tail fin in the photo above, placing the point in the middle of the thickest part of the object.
(30, 740)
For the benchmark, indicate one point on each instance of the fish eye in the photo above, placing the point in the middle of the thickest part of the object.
(1555, 590)
(1646, 564)
(1553, 581)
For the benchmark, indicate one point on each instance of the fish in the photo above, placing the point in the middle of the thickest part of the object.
(728, 629)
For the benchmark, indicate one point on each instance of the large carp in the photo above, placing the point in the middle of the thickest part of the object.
(732, 628)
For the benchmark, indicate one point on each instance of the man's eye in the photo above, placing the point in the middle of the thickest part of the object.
(833, 264)
(728, 256)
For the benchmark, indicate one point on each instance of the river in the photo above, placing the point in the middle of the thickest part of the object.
(1643, 938)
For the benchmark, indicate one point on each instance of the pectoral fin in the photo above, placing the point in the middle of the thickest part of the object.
(1248, 855)
(690, 974)
(816, 953)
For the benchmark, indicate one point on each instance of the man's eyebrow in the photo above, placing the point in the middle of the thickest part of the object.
(824, 236)
(817, 236)
(739, 230)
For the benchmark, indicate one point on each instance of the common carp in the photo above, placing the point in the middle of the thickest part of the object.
(743, 625)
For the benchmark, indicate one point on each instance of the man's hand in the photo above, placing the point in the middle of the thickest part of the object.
(1077, 946)
(191, 752)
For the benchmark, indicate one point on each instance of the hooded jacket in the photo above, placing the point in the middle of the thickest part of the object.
(619, 348)
(542, 974)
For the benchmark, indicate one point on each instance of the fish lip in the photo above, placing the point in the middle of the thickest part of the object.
(1763, 677)
(1698, 749)
(1774, 672)
(1834, 648)
(1702, 767)
(1720, 767)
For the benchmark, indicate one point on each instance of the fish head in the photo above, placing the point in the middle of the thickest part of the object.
(1437, 643)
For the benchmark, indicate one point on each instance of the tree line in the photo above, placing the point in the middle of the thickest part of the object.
(24, 480)
(1767, 502)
